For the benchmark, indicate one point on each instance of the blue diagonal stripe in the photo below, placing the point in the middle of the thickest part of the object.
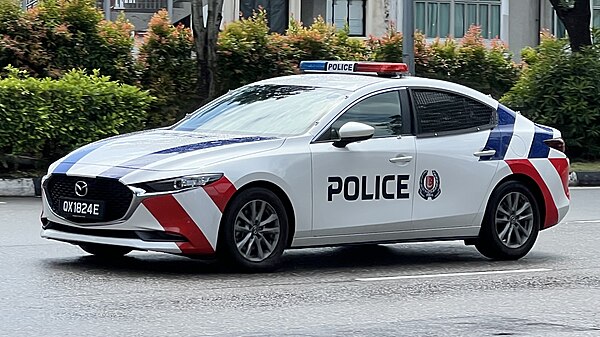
(76, 155)
(127, 167)
(500, 136)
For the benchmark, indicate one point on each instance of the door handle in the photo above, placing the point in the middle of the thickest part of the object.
(485, 153)
(404, 159)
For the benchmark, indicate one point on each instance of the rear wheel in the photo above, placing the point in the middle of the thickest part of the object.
(254, 231)
(104, 251)
(511, 223)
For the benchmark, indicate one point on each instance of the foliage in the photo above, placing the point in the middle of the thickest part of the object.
(323, 41)
(560, 88)
(47, 118)
(22, 40)
(248, 53)
(59, 35)
(388, 47)
(469, 61)
(168, 70)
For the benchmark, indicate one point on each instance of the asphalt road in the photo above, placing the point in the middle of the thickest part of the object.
(435, 289)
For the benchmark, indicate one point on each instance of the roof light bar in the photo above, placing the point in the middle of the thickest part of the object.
(381, 68)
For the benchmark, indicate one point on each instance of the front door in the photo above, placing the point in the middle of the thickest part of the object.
(365, 187)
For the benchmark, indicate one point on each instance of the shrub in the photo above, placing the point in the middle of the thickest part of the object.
(387, 48)
(168, 70)
(22, 40)
(47, 118)
(470, 61)
(560, 88)
(323, 41)
(248, 53)
(59, 35)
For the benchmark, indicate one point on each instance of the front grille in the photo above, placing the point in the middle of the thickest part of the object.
(116, 196)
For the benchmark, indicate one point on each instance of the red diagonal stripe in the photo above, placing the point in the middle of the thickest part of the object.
(220, 192)
(562, 167)
(173, 218)
(524, 166)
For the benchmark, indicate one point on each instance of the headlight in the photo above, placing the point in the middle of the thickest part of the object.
(181, 183)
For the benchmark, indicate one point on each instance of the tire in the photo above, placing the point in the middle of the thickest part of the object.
(253, 243)
(511, 223)
(105, 251)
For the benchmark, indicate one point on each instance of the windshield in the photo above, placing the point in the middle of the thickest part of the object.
(282, 110)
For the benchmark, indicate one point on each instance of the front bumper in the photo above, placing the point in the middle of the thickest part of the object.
(180, 223)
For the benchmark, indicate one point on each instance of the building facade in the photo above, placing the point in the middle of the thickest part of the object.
(517, 22)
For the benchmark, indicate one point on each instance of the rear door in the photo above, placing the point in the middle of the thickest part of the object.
(365, 187)
(452, 175)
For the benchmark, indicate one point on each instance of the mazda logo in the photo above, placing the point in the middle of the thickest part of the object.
(81, 188)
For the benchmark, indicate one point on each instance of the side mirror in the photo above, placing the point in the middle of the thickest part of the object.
(353, 132)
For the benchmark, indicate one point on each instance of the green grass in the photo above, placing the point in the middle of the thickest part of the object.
(590, 166)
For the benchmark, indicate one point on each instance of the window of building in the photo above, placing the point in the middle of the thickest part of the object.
(381, 111)
(350, 12)
(596, 14)
(439, 111)
(454, 17)
(277, 12)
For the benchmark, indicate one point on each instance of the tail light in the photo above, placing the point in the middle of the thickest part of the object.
(556, 143)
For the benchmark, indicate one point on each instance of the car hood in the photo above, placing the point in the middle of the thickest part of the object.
(159, 150)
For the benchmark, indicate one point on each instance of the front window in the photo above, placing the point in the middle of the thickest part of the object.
(270, 110)
(381, 111)
(454, 17)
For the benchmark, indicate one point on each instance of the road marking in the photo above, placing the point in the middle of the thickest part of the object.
(584, 221)
(491, 272)
(2, 202)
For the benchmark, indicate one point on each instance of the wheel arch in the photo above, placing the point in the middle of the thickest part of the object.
(532, 186)
(285, 199)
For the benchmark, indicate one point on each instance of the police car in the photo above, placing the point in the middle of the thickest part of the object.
(346, 153)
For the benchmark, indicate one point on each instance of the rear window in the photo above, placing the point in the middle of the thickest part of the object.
(440, 111)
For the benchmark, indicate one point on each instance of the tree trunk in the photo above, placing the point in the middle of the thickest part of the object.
(206, 32)
(577, 22)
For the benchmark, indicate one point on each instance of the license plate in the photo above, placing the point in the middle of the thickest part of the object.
(88, 209)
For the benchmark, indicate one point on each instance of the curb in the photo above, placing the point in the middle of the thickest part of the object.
(31, 187)
(22, 187)
(583, 178)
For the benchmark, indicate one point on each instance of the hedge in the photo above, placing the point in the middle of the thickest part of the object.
(46, 118)
(248, 52)
(562, 89)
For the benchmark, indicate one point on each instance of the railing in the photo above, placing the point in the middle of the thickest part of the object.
(28, 4)
(140, 5)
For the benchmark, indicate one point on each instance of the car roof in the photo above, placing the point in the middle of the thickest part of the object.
(352, 82)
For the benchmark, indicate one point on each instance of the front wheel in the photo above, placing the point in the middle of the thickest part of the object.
(105, 251)
(511, 223)
(254, 231)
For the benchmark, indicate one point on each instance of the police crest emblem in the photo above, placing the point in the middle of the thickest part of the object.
(429, 185)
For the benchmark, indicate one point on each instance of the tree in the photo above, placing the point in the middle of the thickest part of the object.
(206, 32)
(576, 16)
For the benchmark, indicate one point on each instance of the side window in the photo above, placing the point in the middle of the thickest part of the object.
(439, 111)
(381, 111)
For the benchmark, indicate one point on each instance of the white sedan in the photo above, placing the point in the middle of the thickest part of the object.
(352, 153)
